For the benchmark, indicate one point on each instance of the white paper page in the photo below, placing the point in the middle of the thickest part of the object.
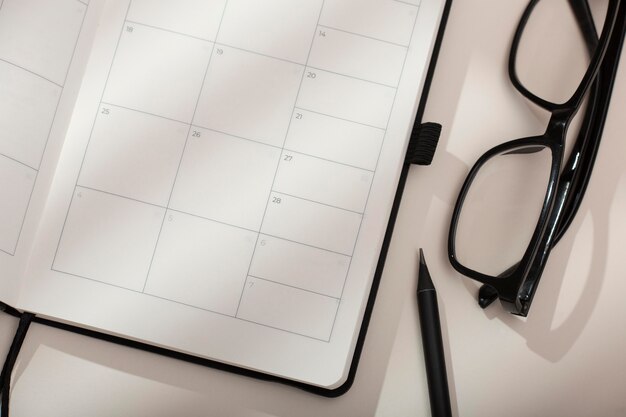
(228, 176)
(43, 48)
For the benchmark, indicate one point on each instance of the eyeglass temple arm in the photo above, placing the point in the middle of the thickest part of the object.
(580, 163)
(584, 151)
(584, 18)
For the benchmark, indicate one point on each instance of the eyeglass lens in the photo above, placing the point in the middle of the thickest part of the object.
(501, 209)
(553, 57)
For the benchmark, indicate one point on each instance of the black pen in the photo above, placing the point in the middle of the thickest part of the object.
(433, 343)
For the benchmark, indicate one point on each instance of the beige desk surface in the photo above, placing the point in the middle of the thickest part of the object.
(567, 359)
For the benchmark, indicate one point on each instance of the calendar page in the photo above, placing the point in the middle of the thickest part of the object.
(43, 49)
(228, 174)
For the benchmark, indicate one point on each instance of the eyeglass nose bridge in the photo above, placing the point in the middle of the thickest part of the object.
(558, 125)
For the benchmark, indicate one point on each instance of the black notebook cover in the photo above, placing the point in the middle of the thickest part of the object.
(373, 292)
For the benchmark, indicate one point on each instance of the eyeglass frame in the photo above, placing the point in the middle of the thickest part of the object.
(516, 286)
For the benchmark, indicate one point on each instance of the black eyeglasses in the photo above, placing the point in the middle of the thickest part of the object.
(519, 198)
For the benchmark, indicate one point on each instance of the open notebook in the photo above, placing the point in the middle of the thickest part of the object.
(213, 177)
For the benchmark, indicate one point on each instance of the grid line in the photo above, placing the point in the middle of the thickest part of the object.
(275, 191)
(341, 118)
(145, 112)
(352, 77)
(134, 22)
(328, 160)
(364, 36)
(31, 72)
(18, 161)
(294, 287)
(407, 3)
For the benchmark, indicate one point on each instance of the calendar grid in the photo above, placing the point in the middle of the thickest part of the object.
(47, 139)
(171, 206)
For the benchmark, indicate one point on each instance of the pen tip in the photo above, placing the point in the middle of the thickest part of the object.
(424, 282)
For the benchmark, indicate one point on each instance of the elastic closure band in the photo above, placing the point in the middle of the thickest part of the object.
(423, 144)
(9, 363)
